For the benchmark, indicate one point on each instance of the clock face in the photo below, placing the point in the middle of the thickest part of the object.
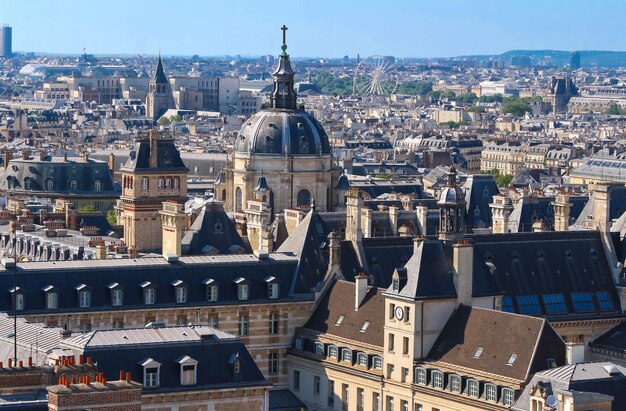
(399, 313)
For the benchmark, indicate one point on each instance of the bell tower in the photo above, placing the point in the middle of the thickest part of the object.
(160, 97)
(283, 94)
(154, 173)
(451, 210)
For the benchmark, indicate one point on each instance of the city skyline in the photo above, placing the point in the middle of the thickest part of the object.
(403, 29)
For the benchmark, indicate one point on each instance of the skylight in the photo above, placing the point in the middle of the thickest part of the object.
(339, 320)
(478, 352)
(365, 325)
(512, 359)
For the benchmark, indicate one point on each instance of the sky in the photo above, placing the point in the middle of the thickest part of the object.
(317, 28)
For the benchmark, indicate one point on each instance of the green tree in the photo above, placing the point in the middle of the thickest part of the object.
(476, 109)
(414, 88)
(111, 217)
(175, 118)
(87, 208)
(164, 122)
(502, 180)
(454, 124)
(467, 98)
(496, 98)
(614, 110)
(516, 107)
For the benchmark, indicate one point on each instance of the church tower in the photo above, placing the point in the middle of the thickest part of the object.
(160, 97)
(153, 174)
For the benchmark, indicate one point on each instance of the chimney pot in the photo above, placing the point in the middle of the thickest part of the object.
(128, 376)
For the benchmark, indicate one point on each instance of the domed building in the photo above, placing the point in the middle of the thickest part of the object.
(288, 147)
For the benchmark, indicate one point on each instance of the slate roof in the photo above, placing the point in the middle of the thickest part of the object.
(582, 378)
(168, 157)
(614, 339)
(213, 351)
(309, 243)
(339, 300)
(133, 275)
(382, 256)
(479, 192)
(526, 266)
(532, 208)
(500, 335)
(213, 232)
(376, 187)
(159, 75)
(617, 205)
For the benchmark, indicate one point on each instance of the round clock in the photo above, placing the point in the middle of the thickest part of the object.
(399, 313)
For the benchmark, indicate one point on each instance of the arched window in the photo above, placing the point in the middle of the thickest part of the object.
(97, 186)
(437, 379)
(346, 355)
(454, 383)
(168, 182)
(238, 200)
(49, 184)
(377, 362)
(304, 198)
(473, 388)
(161, 183)
(508, 396)
(361, 359)
(319, 348)
(332, 351)
(73, 185)
(491, 392)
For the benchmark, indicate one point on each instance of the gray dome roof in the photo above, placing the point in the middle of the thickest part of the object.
(452, 196)
(282, 132)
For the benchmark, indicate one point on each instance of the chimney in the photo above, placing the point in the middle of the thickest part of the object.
(267, 241)
(501, 211)
(574, 352)
(173, 222)
(393, 219)
(101, 252)
(360, 283)
(112, 165)
(601, 199)
(7, 156)
(537, 226)
(132, 252)
(561, 207)
(463, 263)
(422, 216)
(154, 143)
(354, 204)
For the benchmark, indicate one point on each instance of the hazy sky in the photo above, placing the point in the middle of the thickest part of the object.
(332, 28)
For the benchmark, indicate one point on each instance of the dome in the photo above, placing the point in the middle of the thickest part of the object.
(282, 132)
(452, 196)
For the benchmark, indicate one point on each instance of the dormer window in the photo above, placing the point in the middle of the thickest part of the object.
(242, 288)
(117, 294)
(420, 375)
(437, 379)
(377, 362)
(97, 186)
(235, 363)
(319, 348)
(491, 392)
(211, 289)
(272, 287)
(508, 396)
(180, 291)
(361, 359)
(84, 296)
(149, 292)
(52, 297)
(151, 373)
(346, 355)
(188, 368)
(17, 296)
(333, 352)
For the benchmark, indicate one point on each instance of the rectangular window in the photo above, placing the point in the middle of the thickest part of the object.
(273, 323)
(391, 342)
(151, 377)
(211, 293)
(19, 301)
(389, 401)
(404, 376)
(554, 303)
(345, 392)
(491, 392)
(404, 405)
(188, 374)
(296, 380)
(390, 369)
(528, 304)
(472, 388)
(317, 384)
(242, 292)
(437, 379)
(272, 365)
(243, 325)
(149, 296)
(583, 302)
(455, 383)
(52, 300)
(407, 314)
(84, 298)
(272, 291)
(118, 325)
(117, 297)
(181, 295)
(405, 345)
(360, 399)
(376, 401)
(331, 394)
(213, 321)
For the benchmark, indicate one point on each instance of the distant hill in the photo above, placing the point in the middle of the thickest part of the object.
(559, 58)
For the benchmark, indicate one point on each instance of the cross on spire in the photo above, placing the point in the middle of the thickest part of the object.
(284, 46)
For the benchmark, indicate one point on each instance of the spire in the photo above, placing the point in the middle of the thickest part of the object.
(159, 74)
(283, 95)
(451, 176)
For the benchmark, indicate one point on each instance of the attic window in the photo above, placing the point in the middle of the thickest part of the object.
(339, 320)
(218, 228)
(478, 352)
(512, 359)
(364, 327)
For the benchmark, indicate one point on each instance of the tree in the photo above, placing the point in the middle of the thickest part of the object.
(614, 110)
(111, 217)
(502, 180)
(467, 98)
(476, 109)
(516, 107)
(415, 88)
(87, 208)
(164, 122)
(496, 98)
(175, 118)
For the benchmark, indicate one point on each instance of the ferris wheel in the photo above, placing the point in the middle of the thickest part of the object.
(375, 75)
